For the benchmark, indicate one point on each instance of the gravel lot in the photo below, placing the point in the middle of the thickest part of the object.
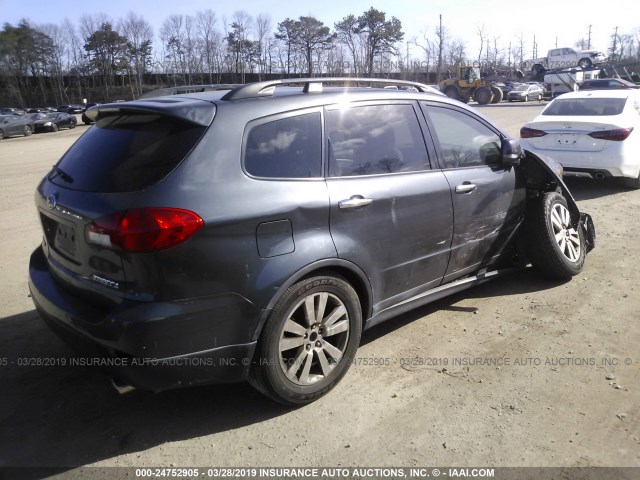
(518, 372)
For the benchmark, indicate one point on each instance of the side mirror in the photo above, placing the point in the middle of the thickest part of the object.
(511, 152)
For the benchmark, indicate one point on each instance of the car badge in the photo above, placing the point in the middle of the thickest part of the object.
(567, 126)
(51, 201)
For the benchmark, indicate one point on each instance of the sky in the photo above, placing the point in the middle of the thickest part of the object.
(553, 22)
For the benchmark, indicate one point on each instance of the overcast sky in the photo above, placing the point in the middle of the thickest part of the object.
(551, 21)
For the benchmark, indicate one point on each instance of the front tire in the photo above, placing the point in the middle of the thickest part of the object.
(309, 340)
(555, 247)
(27, 130)
(483, 95)
(54, 127)
(498, 95)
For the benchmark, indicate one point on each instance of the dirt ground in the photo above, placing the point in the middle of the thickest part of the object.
(517, 372)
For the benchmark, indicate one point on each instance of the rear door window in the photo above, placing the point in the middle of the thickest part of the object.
(126, 153)
(375, 139)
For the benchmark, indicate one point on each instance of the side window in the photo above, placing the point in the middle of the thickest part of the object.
(285, 148)
(375, 139)
(463, 140)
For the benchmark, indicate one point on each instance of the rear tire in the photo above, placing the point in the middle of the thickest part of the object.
(585, 63)
(308, 342)
(54, 127)
(27, 130)
(556, 248)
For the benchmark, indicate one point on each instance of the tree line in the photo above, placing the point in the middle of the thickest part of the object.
(102, 59)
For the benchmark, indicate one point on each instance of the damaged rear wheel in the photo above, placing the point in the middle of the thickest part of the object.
(555, 246)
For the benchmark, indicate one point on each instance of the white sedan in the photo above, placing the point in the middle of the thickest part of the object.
(593, 133)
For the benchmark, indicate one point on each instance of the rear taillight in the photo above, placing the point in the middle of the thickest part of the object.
(526, 132)
(616, 135)
(144, 229)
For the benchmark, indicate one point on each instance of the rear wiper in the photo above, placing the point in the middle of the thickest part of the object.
(62, 174)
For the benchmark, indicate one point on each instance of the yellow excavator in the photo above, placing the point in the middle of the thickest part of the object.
(470, 85)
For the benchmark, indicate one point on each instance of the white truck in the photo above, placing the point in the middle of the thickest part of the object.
(559, 58)
(560, 82)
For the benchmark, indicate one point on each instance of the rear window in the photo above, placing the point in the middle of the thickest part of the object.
(127, 153)
(585, 106)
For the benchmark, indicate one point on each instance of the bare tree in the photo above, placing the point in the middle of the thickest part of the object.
(56, 61)
(210, 41)
(241, 48)
(172, 35)
(139, 35)
(482, 35)
(264, 40)
(428, 46)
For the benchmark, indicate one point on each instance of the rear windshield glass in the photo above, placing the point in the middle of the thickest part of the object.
(126, 153)
(585, 106)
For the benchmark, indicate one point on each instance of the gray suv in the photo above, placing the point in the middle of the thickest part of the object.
(253, 233)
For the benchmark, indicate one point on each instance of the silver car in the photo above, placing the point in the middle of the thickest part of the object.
(12, 125)
(525, 92)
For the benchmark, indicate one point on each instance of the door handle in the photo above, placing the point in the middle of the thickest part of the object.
(465, 188)
(356, 201)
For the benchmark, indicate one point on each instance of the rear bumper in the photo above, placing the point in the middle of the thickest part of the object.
(153, 346)
(613, 162)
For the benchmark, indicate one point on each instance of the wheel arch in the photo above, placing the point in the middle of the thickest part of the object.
(334, 266)
(542, 178)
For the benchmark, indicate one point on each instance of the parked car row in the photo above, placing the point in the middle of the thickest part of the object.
(28, 123)
(72, 108)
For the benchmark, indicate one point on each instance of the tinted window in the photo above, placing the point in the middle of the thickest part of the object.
(463, 140)
(287, 148)
(585, 106)
(375, 139)
(127, 153)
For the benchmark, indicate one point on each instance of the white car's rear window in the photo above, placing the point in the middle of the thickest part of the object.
(585, 106)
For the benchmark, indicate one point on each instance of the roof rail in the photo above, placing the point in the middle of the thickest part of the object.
(313, 85)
